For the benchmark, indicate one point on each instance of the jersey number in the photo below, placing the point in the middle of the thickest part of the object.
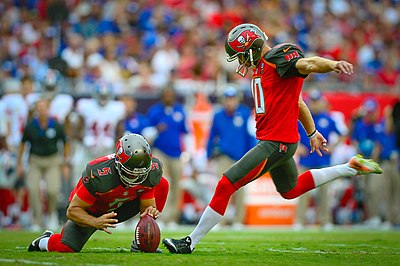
(258, 95)
(104, 171)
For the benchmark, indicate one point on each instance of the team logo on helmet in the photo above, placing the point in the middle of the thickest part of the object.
(244, 40)
(122, 157)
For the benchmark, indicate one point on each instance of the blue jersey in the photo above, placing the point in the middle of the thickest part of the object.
(326, 126)
(135, 123)
(174, 117)
(366, 135)
(387, 142)
(229, 134)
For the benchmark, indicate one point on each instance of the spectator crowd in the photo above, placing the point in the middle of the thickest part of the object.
(139, 46)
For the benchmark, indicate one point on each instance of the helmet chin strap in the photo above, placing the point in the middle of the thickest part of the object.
(251, 56)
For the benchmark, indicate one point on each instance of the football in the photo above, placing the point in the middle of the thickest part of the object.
(147, 234)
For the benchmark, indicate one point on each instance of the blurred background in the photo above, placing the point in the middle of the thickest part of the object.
(104, 64)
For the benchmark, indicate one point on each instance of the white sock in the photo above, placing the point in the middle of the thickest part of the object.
(208, 220)
(328, 174)
(43, 243)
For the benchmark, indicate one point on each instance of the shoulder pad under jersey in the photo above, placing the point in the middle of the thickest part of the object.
(155, 173)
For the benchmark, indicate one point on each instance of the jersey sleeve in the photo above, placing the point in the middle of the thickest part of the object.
(149, 194)
(155, 173)
(285, 57)
(154, 114)
(85, 195)
(90, 182)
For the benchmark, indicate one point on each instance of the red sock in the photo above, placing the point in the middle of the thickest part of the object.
(56, 245)
(305, 183)
(222, 194)
(161, 193)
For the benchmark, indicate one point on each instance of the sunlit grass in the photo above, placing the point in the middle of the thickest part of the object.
(246, 247)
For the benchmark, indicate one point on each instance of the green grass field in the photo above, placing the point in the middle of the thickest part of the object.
(247, 247)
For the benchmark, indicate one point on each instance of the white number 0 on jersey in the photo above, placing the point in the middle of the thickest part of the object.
(258, 95)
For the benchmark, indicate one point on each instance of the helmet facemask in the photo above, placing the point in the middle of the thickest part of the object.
(133, 177)
(246, 60)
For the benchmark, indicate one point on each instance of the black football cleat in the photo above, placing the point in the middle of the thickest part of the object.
(34, 246)
(134, 248)
(180, 246)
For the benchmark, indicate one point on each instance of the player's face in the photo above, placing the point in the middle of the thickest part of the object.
(135, 178)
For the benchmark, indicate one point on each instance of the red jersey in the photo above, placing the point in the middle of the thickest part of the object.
(276, 85)
(101, 187)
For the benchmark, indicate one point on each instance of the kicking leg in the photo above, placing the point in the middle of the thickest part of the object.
(317, 177)
(247, 169)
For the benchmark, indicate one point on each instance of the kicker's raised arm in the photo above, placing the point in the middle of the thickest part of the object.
(317, 64)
